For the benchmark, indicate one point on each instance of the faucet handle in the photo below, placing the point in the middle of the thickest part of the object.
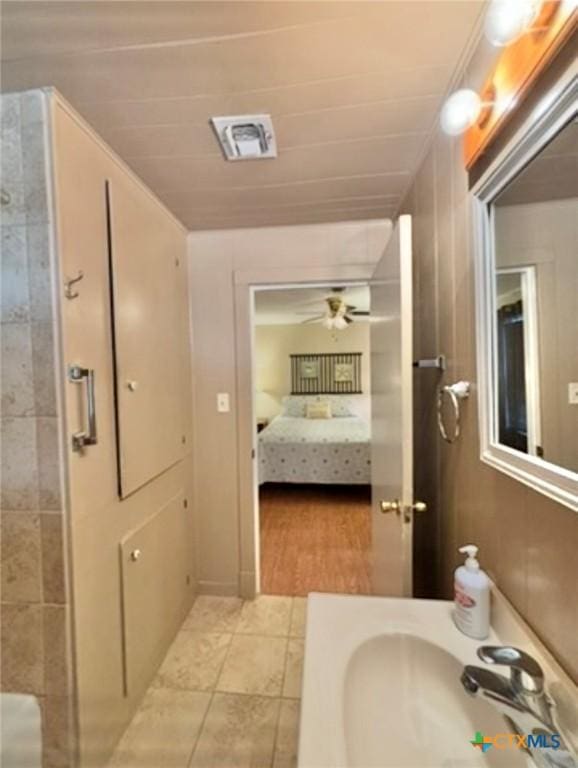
(520, 664)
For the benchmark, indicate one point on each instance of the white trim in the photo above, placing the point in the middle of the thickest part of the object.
(246, 283)
(546, 121)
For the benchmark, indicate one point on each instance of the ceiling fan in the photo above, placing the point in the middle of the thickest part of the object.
(338, 313)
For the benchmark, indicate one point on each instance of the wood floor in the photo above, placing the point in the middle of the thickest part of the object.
(315, 539)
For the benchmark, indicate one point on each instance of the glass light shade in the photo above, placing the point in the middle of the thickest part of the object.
(460, 111)
(507, 20)
(328, 323)
(339, 323)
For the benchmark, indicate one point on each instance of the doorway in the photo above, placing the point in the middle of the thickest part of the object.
(312, 410)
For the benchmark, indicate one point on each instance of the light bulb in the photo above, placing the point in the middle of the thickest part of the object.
(460, 111)
(507, 20)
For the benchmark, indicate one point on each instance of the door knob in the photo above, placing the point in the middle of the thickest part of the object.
(396, 506)
(390, 506)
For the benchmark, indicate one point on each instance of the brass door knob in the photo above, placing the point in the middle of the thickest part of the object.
(395, 506)
(390, 506)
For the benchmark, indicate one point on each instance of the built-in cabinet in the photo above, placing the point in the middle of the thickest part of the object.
(126, 427)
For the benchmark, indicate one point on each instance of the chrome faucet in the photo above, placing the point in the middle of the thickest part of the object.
(521, 699)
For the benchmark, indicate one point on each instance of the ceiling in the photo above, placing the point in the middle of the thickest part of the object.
(353, 89)
(288, 306)
(551, 175)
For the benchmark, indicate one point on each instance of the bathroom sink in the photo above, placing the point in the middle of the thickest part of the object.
(381, 688)
(404, 707)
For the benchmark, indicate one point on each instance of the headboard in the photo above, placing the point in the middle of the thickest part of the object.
(326, 374)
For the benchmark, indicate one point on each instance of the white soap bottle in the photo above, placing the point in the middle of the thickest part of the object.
(472, 596)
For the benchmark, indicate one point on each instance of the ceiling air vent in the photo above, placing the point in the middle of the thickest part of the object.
(246, 137)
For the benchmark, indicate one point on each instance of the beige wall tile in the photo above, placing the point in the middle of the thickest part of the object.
(164, 730)
(55, 650)
(194, 661)
(214, 614)
(287, 745)
(43, 366)
(22, 660)
(294, 669)
(21, 562)
(266, 615)
(49, 491)
(53, 585)
(15, 305)
(239, 732)
(254, 665)
(19, 463)
(17, 377)
(56, 732)
(38, 247)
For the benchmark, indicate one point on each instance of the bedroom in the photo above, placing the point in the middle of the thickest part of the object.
(313, 412)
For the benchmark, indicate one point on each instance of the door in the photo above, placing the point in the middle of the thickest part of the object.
(148, 266)
(392, 417)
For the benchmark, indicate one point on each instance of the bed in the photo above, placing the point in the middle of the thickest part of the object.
(296, 449)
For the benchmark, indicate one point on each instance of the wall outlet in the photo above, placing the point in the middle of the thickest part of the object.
(223, 402)
(573, 393)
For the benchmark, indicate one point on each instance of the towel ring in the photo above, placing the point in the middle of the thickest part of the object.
(456, 392)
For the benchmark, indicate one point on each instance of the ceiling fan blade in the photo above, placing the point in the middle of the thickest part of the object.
(359, 312)
(315, 319)
(348, 319)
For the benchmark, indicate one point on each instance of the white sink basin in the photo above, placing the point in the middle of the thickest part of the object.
(381, 688)
(432, 720)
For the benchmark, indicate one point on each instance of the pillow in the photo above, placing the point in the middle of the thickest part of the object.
(321, 410)
(340, 406)
(293, 406)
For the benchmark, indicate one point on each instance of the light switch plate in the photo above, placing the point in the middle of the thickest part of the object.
(573, 393)
(223, 402)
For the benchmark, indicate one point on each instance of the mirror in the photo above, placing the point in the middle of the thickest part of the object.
(528, 306)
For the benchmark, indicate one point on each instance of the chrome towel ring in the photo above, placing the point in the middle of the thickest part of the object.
(456, 392)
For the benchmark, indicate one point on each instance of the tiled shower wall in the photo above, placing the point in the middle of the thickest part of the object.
(34, 655)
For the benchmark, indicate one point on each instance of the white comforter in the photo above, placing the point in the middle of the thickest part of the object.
(330, 451)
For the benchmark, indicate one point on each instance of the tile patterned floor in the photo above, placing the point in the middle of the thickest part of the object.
(227, 694)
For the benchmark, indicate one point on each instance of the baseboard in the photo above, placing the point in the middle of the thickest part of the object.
(224, 588)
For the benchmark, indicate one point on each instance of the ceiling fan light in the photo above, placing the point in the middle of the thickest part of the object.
(340, 323)
(507, 20)
(328, 323)
(460, 111)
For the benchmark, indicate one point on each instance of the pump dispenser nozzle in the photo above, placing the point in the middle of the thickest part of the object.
(471, 551)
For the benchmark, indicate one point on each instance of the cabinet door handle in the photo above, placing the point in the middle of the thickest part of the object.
(77, 375)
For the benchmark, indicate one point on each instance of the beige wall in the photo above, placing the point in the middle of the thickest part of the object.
(275, 343)
(35, 604)
(545, 235)
(217, 260)
(527, 542)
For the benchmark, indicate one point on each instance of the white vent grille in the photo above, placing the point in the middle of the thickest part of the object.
(245, 137)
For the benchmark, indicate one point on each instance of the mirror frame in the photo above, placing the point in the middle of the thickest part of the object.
(552, 113)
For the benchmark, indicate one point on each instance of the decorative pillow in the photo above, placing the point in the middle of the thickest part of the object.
(321, 410)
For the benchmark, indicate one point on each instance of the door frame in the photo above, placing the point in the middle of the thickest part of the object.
(531, 350)
(246, 282)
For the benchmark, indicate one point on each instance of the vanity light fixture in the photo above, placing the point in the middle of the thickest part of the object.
(507, 20)
(465, 108)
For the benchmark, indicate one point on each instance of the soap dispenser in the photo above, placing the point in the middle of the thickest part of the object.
(472, 596)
